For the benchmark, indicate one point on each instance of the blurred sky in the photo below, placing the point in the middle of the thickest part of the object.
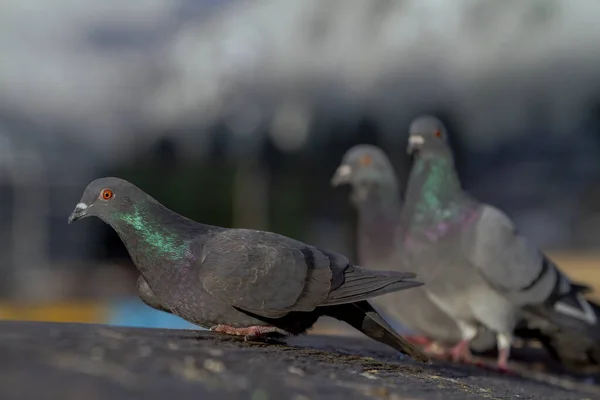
(107, 68)
(111, 77)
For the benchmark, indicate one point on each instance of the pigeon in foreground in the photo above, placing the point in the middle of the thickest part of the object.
(376, 196)
(239, 281)
(475, 264)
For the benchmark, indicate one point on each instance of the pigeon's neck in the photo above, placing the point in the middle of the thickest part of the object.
(378, 202)
(156, 237)
(434, 195)
(378, 216)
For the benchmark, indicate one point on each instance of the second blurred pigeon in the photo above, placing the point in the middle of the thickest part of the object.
(377, 198)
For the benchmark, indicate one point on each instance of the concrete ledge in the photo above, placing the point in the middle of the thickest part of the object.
(79, 361)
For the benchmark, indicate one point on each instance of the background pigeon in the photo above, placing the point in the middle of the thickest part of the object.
(239, 281)
(475, 264)
(377, 198)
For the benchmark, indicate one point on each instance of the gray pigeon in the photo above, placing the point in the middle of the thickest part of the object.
(239, 281)
(376, 196)
(473, 261)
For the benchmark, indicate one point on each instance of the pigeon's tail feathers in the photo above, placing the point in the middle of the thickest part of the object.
(571, 312)
(575, 310)
(362, 284)
(583, 289)
(572, 350)
(365, 318)
(568, 326)
(566, 341)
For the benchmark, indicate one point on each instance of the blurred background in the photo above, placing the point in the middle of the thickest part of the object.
(236, 113)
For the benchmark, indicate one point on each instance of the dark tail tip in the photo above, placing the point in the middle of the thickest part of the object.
(362, 316)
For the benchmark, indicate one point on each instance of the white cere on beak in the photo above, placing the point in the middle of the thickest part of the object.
(81, 206)
(416, 140)
(344, 170)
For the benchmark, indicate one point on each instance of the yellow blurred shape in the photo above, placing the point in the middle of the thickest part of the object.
(87, 312)
(581, 267)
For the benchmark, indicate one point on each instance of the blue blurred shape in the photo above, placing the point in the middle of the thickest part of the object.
(134, 313)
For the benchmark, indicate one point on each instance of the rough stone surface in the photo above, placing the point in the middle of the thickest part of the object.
(78, 361)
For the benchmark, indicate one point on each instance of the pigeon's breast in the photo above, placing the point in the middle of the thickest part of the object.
(184, 295)
(455, 286)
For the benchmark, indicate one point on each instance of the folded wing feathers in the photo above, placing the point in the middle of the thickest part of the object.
(582, 311)
(331, 280)
(318, 280)
(361, 284)
(568, 299)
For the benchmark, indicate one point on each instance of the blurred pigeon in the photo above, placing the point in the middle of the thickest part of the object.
(376, 196)
(239, 281)
(474, 263)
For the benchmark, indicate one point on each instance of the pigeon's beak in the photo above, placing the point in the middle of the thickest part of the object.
(342, 175)
(414, 143)
(79, 212)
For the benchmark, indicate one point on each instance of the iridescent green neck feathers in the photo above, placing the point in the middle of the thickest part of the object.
(435, 190)
(155, 238)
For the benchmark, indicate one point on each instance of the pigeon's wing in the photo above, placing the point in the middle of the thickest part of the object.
(351, 283)
(506, 259)
(271, 275)
(263, 273)
(517, 268)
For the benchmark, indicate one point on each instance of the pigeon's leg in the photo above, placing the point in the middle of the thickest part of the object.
(461, 351)
(252, 333)
(504, 342)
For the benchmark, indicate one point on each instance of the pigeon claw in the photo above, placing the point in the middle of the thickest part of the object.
(502, 365)
(430, 347)
(461, 352)
(419, 340)
(505, 370)
(502, 369)
(254, 333)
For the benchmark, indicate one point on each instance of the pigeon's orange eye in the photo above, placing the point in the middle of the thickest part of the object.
(366, 160)
(106, 194)
(438, 133)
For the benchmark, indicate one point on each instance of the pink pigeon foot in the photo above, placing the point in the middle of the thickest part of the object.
(429, 346)
(461, 352)
(502, 364)
(419, 340)
(251, 333)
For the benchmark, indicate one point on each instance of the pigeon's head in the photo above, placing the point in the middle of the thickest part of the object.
(106, 196)
(426, 133)
(365, 168)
